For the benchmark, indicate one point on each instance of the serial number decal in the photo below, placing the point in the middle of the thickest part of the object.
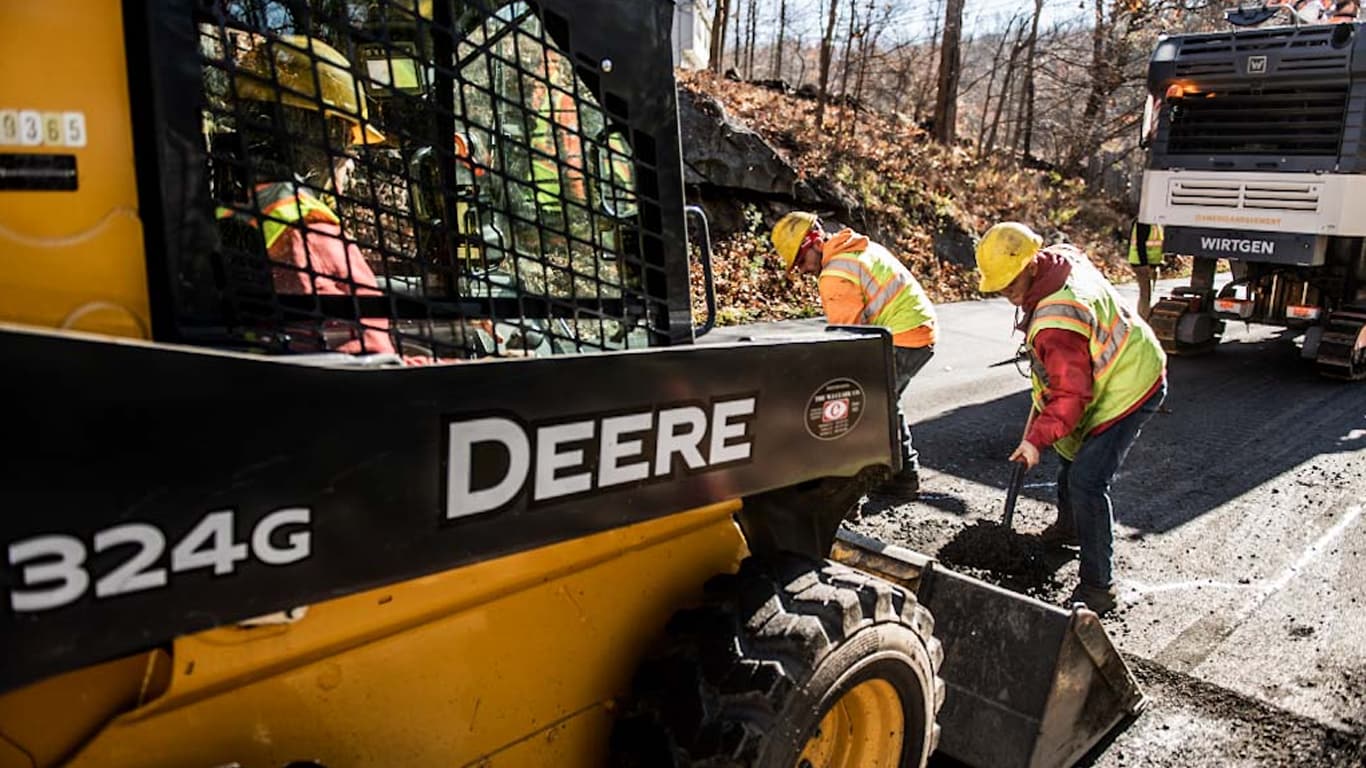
(32, 128)
(53, 572)
(574, 457)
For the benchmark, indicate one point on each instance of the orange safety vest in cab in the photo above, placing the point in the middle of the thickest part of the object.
(318, 260)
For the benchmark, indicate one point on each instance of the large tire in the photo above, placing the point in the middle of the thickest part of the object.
(747, 679)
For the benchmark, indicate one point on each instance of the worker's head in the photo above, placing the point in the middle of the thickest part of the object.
(1005, 259)
(797, 237)
(304, 107)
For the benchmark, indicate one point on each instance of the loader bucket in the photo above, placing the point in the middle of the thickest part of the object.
(1029, 685)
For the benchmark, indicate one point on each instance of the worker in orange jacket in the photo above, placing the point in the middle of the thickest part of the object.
(862, 283)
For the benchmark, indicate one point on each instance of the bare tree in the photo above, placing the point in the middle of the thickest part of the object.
(827, 46)
(872, 30)
(867, 44)
(749, 44)
(782, 38)
(922, 95)
(950, 68)
(1028, 96)
(1095, 96)
(906, 65)
(718, 34)
(852, 34)
(739, 38)
(991, 84)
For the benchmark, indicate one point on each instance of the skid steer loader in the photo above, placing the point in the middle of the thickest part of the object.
(356, 419)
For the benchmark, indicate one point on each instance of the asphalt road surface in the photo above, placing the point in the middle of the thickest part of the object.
(1240, 538)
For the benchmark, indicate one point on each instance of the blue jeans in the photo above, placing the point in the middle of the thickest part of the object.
(1084, 489)
(909, 361)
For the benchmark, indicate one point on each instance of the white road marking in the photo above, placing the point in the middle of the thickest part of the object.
(1264, 588)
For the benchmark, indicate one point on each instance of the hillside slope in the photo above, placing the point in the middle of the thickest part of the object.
(922, 200)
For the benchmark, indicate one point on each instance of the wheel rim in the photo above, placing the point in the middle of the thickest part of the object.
(864, 728)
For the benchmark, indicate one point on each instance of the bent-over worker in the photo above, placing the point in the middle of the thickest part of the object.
(1098, 375)
(862, 283)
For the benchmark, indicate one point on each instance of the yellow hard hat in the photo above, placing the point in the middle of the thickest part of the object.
(293, 69)
(788, 234)
(1005, 250)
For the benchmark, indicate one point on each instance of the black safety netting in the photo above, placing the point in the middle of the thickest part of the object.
(431, 179)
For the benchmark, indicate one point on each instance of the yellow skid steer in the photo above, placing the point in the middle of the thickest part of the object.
(355, 420)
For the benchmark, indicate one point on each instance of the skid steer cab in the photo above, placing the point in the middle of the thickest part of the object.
(359, 422)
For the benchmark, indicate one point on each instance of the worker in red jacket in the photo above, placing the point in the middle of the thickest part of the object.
(308, 118)
(1098, 375)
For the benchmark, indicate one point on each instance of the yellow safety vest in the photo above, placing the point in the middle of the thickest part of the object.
(280, 208)
(1152, 248)
(1126, 357)
(892, 297)
(557, 150)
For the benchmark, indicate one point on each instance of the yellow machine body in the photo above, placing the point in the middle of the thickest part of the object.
(514, 661)
(509, 662)
(70, 258)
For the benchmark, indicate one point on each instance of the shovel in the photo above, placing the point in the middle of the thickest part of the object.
(1016, 479)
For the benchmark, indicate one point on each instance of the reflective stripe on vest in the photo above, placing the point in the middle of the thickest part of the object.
(1153, 245)
(280, 208)
(1126, 358)
(892, 297)
(556, 148)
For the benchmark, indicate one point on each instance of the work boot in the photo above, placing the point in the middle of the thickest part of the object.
(904, 485)
(1060, 534)
(1102, 600)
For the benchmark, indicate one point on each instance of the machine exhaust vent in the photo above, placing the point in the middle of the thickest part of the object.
(1249, 195)
(1302, 49)
(1275, 121)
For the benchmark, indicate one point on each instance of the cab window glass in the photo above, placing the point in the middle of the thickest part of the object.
(451, 159)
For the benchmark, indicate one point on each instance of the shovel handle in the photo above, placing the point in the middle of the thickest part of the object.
(1017, 476)
(1013, 493)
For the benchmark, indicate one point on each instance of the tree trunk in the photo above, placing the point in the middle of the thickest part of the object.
(1094, 112)
(782, 37)
(753, 30)
(866, 50)
(991, 84)
(903, 81)
(950, 67)
(1029, 79)
(718, 36)
(739, 37)
(848, 45)
(1005, 98)
(922, 91)
(827, 46)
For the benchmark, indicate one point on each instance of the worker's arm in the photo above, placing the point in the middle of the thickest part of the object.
(1066, 361)
(841, 300)
(332, 266)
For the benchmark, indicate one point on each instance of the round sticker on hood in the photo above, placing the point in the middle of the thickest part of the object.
(834, 409)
